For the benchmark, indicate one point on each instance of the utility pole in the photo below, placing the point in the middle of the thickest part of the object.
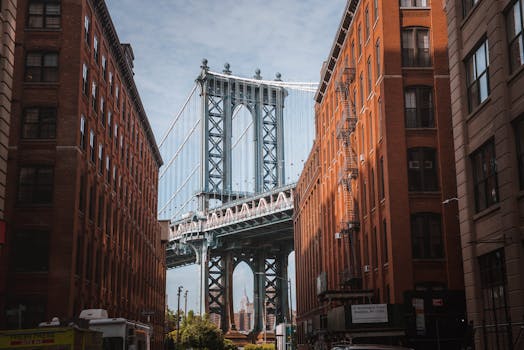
(185, 304)
(178, 316)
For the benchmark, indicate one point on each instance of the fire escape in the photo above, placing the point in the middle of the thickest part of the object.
(348, 174)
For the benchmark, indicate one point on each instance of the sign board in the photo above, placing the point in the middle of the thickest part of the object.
(420, 319)
(369, 313)
(321, 283)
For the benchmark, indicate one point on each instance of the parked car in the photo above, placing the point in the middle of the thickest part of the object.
(367, 347)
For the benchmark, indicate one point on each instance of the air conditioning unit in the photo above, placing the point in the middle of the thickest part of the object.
(338, 235)
(414, 164)
(367, 268)
(362, 158)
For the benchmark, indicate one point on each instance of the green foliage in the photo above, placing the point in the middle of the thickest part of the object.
(228, 345)
(259, 347)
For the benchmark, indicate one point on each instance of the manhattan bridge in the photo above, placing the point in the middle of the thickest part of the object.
(233, 154)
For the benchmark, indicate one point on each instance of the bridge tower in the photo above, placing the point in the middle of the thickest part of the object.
(221, 94)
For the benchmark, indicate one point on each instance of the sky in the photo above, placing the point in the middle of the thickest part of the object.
(171, 37)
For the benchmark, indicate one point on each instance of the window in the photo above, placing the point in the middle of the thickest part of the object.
(85, 79)
(35, 185)
(95, 48)
(493, 285)
(370, 138)
(39, 123)
(381, 174)
(377, 58)
(422, 169)
(372, 189)
(92, 145)
(477, 69)
(375, 247)
(82, 194)
(413, 3)
(426, 236)
(31, 251)
(100, 158)
(86, 29)
(514, 30)
(117, 90)
(375, 10)
(109, 124)
(92, 204)
(83, 132)
(102, 111)
(104, 67)
(108, 168)
(415, 47)
(366, 23)
(519, 137)
(352, 53)
(361, 86)
(110, 83)
(44, 14)
(485, 181)
(385, 255)
(364, 193)
(94, 94)
(418, 107)
(467, 5)
(41, 67)
(359, 34)
(370, 78)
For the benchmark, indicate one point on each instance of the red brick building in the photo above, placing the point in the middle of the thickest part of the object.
(82, 174)
(374, 221)
(486, 64)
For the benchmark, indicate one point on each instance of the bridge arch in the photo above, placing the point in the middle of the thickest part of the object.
(243, 147)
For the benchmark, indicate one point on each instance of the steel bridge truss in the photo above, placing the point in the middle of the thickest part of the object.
(221, 94)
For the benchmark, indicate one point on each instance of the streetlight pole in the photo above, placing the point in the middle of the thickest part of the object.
(178, 316)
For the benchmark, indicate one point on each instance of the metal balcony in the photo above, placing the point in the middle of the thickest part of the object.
(351, 279)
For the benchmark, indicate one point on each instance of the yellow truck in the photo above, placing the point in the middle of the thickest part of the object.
(51, 338)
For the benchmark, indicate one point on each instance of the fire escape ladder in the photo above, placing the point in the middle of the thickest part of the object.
(348, 174)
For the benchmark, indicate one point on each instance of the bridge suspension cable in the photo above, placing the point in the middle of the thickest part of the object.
(179, 114)
(163, 209)
(303, 86)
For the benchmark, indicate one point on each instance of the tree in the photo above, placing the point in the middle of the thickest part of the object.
(199, 333)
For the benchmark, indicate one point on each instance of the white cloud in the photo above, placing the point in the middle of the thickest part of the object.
(170, 37)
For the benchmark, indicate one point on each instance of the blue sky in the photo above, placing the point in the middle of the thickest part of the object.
(170, 38)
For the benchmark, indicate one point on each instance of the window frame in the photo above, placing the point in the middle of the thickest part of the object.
(25, 256)
(35, 191)
(483, 200)
(419, 110)
(473, 84)
(430, 243)
(493, 285)
(414, 4)
(519, 143)
(517, 36)
(468, 6)
(83, 134)
(420, 58)
(45, 73)
(419, 173)
(45, 16)
(40, 123)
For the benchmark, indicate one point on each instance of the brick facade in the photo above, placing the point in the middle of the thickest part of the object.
(383, 154)
(83, 169)
(488, 132)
